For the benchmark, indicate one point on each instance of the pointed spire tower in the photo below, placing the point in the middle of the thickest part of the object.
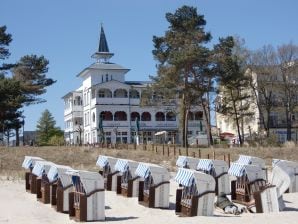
(103, 54)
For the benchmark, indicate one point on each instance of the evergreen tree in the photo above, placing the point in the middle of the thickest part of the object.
(46, 128)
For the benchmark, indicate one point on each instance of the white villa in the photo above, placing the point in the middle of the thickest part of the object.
(107, 108)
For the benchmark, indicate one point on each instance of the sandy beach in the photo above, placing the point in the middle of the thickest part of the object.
(18, 207)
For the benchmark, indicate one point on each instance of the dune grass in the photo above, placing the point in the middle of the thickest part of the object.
(85, 157)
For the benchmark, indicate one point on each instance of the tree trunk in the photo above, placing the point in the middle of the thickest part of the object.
(17, 137)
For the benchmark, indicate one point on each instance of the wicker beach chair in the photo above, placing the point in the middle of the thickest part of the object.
(128, 181)
(154, 186)
(196, 196)
(219, 170)
(60, 187)
(87, 201)
(41, 170)
(187, 162)
(30, 179)
(107, 165)
(255, 161)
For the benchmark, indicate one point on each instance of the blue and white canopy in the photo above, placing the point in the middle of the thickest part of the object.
(252, 172)
(186, 161)
(56, 172)
(29, 161)
(205, 165)
(42, 167)
(187, 177)
(90, 180)
(158, 173)
(102, 161)
(251, 160)
(121, 165)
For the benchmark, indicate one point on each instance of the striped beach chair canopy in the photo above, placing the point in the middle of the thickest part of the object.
(103, 161)
(42, 167)
(157, 172)
(286, 163)
(252, 172)
(30, 161)
(219, 166)
(123, 165)
(188, 177)
(251, 160)
(90, 180)
(186, 161)
(58, 172)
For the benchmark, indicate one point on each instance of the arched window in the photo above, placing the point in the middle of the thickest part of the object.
(198, 115)
(104, 93)
(171, 116)
(120, 116)
(190, 116)
(159, 116)
(134, 115)
(106, 116)
(134, 94)
(146, 116)
(93, 117)
(107, 77)
(120, 93)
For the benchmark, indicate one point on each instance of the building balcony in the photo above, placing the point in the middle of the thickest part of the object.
(116, 101)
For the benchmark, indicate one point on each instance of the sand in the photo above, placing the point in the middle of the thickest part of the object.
(19, 207)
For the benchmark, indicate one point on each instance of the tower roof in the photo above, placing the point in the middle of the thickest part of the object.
(103, 54)
(103, 44)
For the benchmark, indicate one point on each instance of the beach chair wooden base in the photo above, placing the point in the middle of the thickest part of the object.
(266, 200)
(111, 178)
(189, 206)
(62, 198)
(27, 183)
(79, 211)
(38, 189)
(118, 188)
(147, 198)
(54, 194)
(33, 183)
(45, 193)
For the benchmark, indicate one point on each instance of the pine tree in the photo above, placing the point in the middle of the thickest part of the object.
(46, 128)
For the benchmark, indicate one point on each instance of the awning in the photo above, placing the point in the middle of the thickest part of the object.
(184, 177)
(121, 165)
(205, 165)
(53, 174)
(243, 159)
(29, 161)
(275, 161)
(161, 133)
(102, 161)
(58, 172)
(41, 167)
(181, 161)
(237, 170)
(143, 170)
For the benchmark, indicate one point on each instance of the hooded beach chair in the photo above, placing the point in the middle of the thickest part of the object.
(60, 187)
(251, 189)
(128, 181)
(107, 165)
(197, 194)
(154, 186)
(41, 170)
(219, 170)
(30, 179)
(255, 161)
(87, 201)
(187, 162)
(291, 168)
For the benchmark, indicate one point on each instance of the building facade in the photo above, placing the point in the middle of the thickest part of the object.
(107, 108)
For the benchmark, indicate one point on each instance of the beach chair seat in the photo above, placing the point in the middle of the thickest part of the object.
(266, 199)
(196, 196)
(106, 165)
(187, 162)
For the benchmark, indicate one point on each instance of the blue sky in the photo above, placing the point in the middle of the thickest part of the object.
(67, 31)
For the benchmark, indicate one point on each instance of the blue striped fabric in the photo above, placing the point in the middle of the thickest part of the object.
(143, 170)
(275, 161)
(181, 161)
(102, 161)
(38, 169)
(121, 165)
(237, 170)
(205, 164)
(244, 160)
(184, 177)
(53, 174)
